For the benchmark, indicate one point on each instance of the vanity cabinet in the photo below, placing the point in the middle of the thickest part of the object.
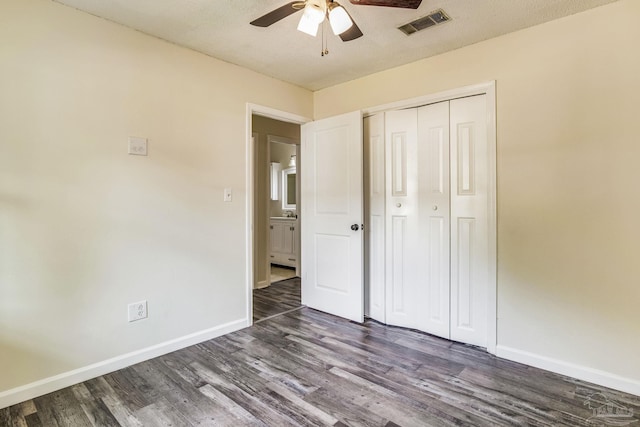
(284, 238)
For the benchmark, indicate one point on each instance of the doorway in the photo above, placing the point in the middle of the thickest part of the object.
(274, 196)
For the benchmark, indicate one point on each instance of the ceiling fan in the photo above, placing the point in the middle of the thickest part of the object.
(315, 12)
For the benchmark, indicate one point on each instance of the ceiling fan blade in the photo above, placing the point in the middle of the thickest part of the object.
(407, 4)
(353, 32)
(276, 15)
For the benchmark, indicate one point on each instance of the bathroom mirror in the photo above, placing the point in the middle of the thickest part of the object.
(289, 188)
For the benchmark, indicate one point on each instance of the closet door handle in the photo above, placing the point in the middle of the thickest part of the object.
(355, 227)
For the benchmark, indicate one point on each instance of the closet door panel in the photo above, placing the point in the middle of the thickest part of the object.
(433, 158)
(469, 217)
(405, 254)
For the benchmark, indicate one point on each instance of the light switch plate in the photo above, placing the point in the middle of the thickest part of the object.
(137, 146)
(227, 195)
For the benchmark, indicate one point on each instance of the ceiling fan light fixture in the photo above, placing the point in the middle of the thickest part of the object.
(308, 26)
(339, 19)
(315, 10)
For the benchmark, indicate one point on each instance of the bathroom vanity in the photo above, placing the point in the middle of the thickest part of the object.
(284, 238)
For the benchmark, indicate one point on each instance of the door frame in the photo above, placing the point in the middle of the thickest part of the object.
(272, 113)
(488, 89)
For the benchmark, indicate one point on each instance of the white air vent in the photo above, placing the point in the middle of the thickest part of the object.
(434, 18)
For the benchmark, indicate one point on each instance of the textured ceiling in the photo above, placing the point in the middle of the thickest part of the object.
(220, 28)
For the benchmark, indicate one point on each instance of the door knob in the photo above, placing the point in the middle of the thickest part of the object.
(355, 227)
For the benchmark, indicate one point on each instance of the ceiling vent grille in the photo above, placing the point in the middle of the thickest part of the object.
(434, 18)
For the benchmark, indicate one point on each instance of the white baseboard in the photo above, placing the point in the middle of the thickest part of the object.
(584, 373)
(261, 285)
(66, 379)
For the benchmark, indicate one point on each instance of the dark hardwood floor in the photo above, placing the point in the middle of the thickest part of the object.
(309, 368)
(278, 298)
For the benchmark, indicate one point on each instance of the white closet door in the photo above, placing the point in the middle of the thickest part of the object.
(433, 158)
(404, 251)
(375, 217)
(332, 243)
(469, 220)
(436, 210)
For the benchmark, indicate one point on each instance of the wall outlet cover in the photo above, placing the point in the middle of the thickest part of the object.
(137, 146)
(137, 311)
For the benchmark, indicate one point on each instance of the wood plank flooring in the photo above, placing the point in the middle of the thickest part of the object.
(278, 298)
(307, 368)
(279, 273)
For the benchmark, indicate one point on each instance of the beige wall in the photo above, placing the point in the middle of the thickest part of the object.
(263, 205)
(85, 228)
(568, 96)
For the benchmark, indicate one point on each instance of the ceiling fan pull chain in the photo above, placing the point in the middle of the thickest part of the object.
(325, 50)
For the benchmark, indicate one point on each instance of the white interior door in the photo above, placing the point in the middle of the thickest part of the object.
(470, 258)
(332, 216)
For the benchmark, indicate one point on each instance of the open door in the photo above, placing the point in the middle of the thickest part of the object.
(332, 216)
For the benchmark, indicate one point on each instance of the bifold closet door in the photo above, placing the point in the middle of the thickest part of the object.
(434, 217)
(404, 253)
(470, 261)
(417, 218)
(434, 271)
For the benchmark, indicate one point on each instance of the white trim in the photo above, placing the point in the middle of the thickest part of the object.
(282, 140)
(66, 379)
(271, 113)
(299, 203)
(263, 284)
(573, 370)
(492, 144)
(447, 95)
(249, 226)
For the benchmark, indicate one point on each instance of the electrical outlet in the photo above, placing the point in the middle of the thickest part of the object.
(137, 311)
(137, 146)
